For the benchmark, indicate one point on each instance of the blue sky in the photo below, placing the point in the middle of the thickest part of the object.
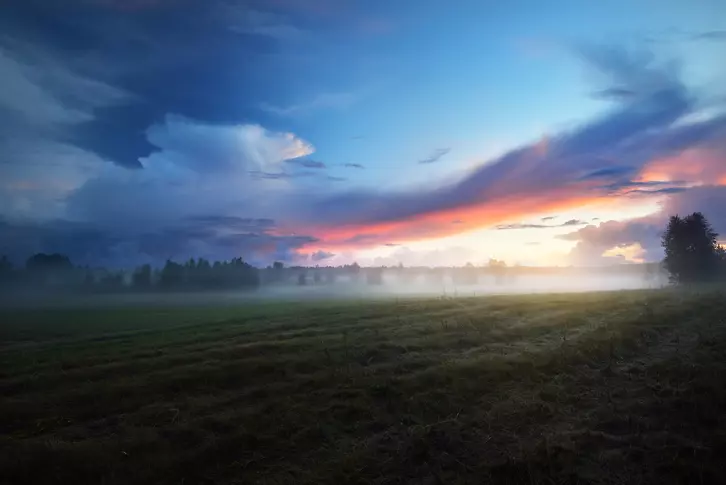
(372, 131)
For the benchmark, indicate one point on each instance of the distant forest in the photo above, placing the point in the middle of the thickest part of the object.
(692, 255)
(57, 272)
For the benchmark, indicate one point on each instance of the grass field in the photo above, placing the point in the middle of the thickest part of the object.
(624, 387)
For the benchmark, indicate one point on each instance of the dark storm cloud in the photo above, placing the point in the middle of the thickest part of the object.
(211, 237)
(186, 57)
(20, 240)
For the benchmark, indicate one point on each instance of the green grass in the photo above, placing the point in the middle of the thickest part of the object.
(623, 387)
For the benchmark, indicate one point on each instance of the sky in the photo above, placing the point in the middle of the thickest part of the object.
(322, 132)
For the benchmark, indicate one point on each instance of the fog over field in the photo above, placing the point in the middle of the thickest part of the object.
(392, 285)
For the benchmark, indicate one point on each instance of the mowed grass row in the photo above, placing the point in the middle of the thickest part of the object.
(623, 387)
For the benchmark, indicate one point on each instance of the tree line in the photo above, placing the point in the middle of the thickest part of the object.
(57, 271)
(692, 255)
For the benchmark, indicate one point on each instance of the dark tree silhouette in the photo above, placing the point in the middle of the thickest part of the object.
(691, 250)
(142, 277)
(6, 269)
(276, 272)
(48, 262)
(171, 275)
(49, 269)
(111, 281)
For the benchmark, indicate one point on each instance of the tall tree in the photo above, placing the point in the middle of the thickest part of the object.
(691, 250)
(142, 277)
(52, 269)
(172, 274)
(6, 269)
(48, 262)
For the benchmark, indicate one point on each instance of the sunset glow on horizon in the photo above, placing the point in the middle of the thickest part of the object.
(376, 132)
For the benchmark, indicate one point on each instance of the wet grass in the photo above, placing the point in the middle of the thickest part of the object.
(622, 387)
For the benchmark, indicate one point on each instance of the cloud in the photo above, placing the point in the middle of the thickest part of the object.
(597, 245)
(41, 102)
(571, 222)
(333, 178)
(185, 202)
(198, 168)
(119, 72)
(506, 227)
(600, 244)
(609, 172)
(244, 20)
(323, 101)
(129, 5)
(91, 244)
(307, 163)
(280, 175)
(616, 93)
(40, 93)
(37, 175)
(715, 35)
(205, 148)
(551, 175)
(548, 218)
(701, 164)
(321, 255)
(435, 156)
(354, 165)
(195, 168)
